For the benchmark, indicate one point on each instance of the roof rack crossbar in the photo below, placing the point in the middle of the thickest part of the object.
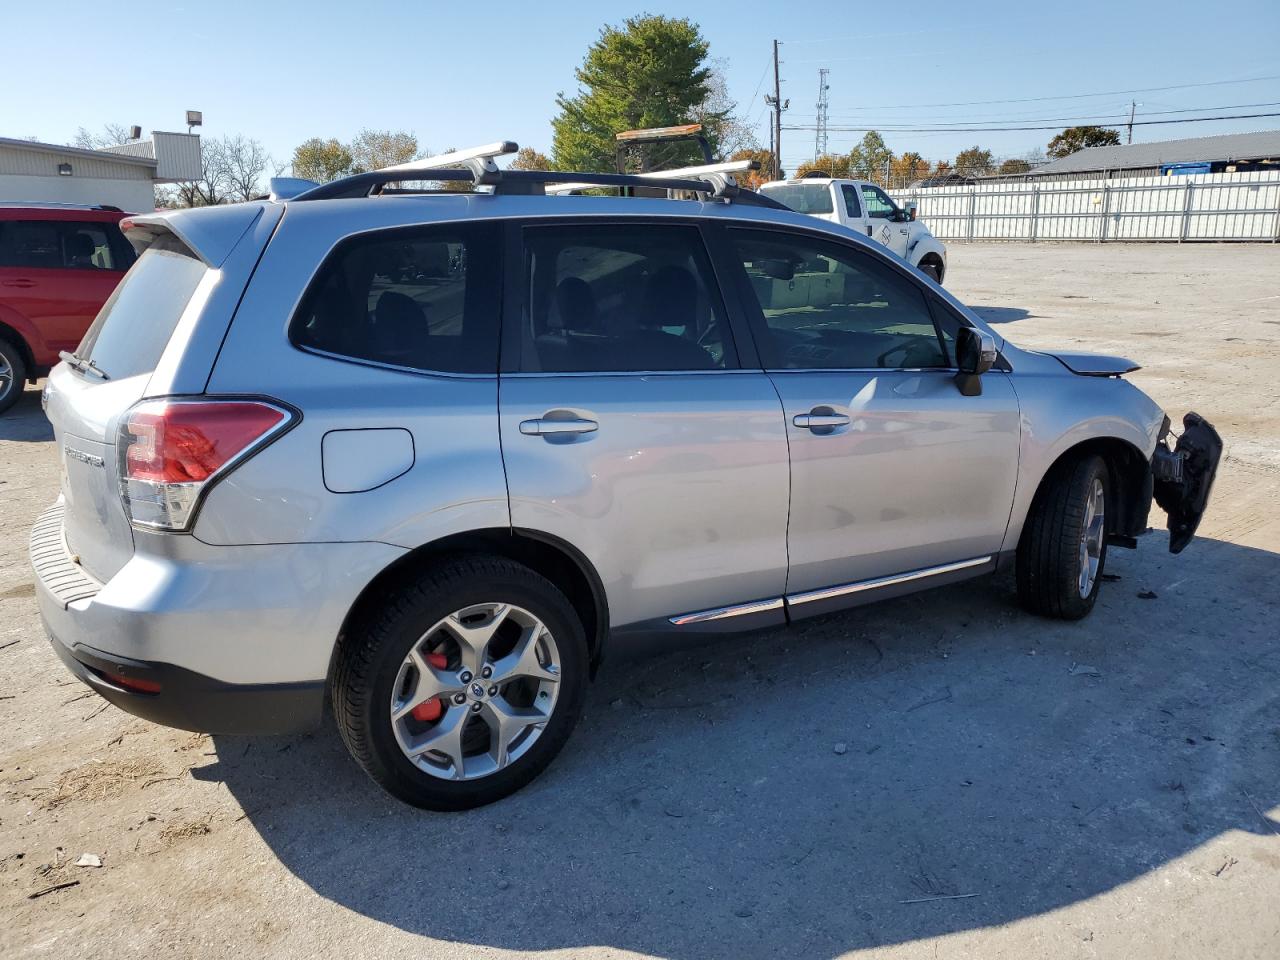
(480, 170)
(458, 157)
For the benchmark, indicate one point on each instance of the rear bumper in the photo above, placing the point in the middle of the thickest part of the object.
(192, 701)
(239, 639)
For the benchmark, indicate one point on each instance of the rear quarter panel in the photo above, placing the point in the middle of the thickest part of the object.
(456, 482)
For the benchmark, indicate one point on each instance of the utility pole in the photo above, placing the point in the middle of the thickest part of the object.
(820, 137)
(1132, 107)
(778, 105)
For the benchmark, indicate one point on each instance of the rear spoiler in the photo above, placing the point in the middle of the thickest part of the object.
(211, 233)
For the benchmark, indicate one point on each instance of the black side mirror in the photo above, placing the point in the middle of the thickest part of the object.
(975, 354)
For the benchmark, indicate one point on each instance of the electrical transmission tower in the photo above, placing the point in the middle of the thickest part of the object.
(820, 136)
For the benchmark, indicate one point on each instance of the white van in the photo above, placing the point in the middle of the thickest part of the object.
(864, 207)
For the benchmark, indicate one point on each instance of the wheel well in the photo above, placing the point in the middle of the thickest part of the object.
(1130, 481)
(935, 260)
(19, 343)
(553, 558)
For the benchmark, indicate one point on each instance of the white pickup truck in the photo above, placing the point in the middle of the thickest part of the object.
(864, 207)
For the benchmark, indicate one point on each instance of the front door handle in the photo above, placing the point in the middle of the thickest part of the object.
(870, 230)
(21, 282)
(820, 421)
(544, 427)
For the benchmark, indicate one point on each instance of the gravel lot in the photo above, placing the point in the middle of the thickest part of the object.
(1109, 788)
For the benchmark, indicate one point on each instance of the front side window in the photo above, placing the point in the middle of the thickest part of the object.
(878, 203)
(825, 306)
(621, 299)
(420, 298)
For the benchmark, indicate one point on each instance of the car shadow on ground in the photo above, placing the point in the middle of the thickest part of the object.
(1003, 314)
(806, 792)
(25, 421)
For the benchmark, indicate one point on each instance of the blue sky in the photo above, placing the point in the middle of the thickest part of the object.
(458, 74)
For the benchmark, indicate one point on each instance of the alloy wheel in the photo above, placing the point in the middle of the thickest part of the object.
(1092, 537)
(475, 692)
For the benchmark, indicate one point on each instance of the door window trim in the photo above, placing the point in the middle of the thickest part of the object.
(516, 295)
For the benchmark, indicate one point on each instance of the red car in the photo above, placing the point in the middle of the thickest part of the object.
(59, 263)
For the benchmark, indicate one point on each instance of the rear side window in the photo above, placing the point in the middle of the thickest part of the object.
(63, 245)
(425, 298)
(610, 299)
(134, 325)
(802, 197)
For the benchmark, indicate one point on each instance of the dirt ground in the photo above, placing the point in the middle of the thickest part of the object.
(938, 776)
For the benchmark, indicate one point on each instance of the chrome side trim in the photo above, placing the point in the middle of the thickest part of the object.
(830, 593)
(721, 613)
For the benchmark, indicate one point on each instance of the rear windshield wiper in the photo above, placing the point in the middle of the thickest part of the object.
(83, 364)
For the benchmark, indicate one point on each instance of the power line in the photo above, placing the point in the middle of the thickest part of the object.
(1033, 118)
(1079, 96)
(1137, 123)
(961, 125)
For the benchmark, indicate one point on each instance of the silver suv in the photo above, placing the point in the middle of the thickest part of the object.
(433, 457)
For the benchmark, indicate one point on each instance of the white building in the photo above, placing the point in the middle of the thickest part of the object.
(123, 176)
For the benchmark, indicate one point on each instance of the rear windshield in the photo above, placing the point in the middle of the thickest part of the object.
(801, 197)
(134, 325)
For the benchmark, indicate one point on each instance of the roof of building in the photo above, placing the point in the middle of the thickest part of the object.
(63, 150)
(1234, 146)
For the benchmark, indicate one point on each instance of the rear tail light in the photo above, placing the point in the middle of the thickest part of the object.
(171, 452)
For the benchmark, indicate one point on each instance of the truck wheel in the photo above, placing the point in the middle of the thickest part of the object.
(13, 375)
(932, 271)
(1064, 543)
(462, 686)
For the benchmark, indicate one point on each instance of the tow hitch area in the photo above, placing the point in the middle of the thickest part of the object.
(1183, 477)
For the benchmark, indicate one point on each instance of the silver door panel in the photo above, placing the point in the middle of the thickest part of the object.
(678, 497)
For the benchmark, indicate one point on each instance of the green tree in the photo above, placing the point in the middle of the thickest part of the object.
(528, 158)
(832, 164)
(1014, 165)
(1078, 138)
(651, 72)
(975, 162)
(870, 159)
(375, 149)
(322, 160)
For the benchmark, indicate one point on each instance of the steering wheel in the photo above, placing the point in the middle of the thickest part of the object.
(905, 347)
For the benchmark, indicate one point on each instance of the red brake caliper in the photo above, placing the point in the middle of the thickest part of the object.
(428, 711)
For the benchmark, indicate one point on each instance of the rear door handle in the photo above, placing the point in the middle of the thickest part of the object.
(544, 427)
(18, 283)
(820, 421)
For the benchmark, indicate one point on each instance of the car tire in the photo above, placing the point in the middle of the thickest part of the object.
(13, 375)
(1063, 549)
(932, 271)
(448, 609)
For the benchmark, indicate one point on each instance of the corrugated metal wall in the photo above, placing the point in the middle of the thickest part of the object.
(1218, 206)
(42, 163)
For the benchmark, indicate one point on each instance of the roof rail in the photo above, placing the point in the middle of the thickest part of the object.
(480, 170)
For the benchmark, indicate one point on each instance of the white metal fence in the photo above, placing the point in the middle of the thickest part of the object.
(1217, 206)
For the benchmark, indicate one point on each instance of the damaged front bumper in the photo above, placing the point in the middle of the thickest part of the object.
(1183, 476)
